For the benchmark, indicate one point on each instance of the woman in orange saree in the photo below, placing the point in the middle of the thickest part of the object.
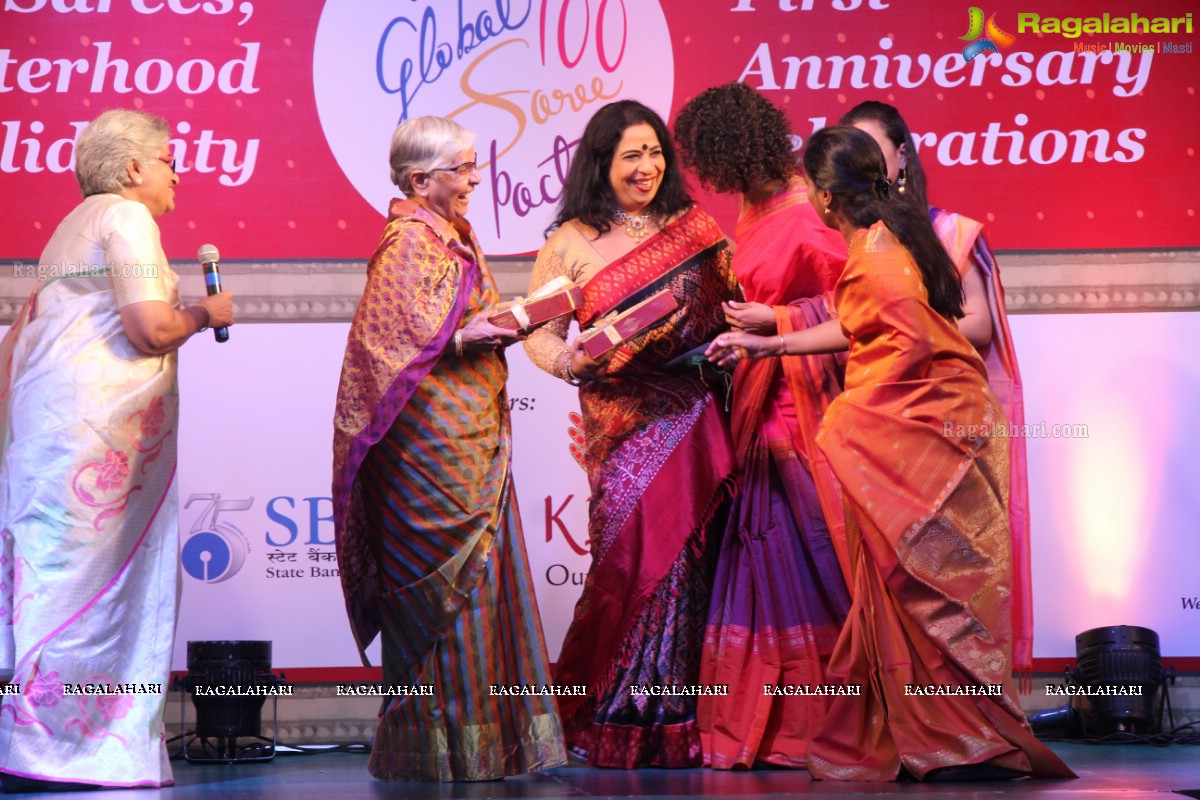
(985, 325)
(926, 645)
(779, 598)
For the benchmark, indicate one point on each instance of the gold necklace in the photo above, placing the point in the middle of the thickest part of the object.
(636, 228)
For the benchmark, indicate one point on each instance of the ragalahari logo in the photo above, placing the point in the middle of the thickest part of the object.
(995, 36)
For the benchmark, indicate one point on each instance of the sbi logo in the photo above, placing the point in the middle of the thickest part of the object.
(214, 551)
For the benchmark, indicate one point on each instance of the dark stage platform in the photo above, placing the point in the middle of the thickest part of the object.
(1106, 772)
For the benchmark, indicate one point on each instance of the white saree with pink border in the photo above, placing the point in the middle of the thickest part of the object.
(89, 576)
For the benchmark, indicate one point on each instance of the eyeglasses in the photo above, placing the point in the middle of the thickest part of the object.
(170, 162)
(464, 170)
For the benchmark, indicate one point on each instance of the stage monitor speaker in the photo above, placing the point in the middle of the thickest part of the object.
(229, 682)
(1121, 668)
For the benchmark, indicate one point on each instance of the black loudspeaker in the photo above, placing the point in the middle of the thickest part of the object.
(229, 682)
(1121, 671)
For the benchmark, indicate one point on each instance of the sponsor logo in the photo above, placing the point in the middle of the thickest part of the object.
(214, 550)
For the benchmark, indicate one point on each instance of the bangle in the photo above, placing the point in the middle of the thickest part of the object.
(568, 374)
(571, 379)
(458, 343)
(782, 345)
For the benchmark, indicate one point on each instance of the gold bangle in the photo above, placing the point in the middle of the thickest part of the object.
(782, 345)
(458, 343)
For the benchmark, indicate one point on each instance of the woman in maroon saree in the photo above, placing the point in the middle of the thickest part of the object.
(658, 454)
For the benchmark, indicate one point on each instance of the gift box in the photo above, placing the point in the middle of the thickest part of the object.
(629, 323)
(554, 299)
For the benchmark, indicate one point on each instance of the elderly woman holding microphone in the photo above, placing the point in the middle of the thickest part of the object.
(429, 540)
(88, 515)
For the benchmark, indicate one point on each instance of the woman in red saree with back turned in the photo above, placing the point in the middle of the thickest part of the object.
(779, 598)
(657, 452)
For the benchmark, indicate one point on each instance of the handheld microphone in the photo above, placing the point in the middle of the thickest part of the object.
(209, 256)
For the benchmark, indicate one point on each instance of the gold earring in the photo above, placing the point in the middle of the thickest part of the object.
(900, 182)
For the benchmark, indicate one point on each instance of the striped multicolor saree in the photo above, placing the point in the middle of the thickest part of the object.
(429, 538)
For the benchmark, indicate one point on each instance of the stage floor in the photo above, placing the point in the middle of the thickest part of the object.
(1107, 772)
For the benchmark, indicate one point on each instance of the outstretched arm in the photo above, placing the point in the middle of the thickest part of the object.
(728, 348)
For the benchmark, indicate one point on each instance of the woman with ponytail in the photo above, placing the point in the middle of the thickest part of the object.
(925, 651)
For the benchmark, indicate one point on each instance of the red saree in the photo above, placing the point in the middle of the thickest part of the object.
(928, 540)
(659, 465)
(779, 597)
(967, 243)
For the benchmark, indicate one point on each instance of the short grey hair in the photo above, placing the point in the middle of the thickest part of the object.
(113, 139)
(422, 144)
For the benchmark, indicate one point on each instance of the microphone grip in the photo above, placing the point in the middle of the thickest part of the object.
(212, 285)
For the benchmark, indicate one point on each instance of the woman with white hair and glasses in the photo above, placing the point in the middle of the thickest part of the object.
(88, 515)
(429, 539)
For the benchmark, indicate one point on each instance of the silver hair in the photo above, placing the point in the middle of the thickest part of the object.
(422, 144)
(113, 139)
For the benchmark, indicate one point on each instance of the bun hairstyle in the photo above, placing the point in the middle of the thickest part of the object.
(894, 127)
(848, 164)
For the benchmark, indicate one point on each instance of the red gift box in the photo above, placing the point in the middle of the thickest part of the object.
(553, 300)
(599, 340)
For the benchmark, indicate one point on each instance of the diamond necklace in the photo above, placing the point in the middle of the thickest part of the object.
(636, 228)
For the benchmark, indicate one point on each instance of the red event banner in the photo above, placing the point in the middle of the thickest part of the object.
(1065, 125)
